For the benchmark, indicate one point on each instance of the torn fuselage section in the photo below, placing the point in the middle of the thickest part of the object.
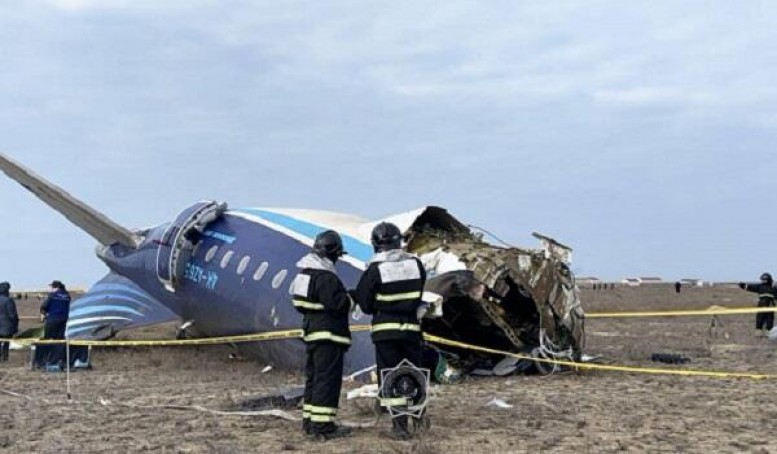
(509, 299)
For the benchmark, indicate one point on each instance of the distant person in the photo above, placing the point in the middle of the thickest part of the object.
(678, 286)
(319, 294)
(764, 321)
(9, 319)
(54, 312)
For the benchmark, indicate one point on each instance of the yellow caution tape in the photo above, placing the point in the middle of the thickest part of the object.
(291, 334)
(715, 310)
(297, 333)
(257, 337)
(641, 370)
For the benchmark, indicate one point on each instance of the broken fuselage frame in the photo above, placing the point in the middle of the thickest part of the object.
(503, 298)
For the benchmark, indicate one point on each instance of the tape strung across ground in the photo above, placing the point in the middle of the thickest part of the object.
(296, 333)
(713, 310)
(641, 370)
(257, 337)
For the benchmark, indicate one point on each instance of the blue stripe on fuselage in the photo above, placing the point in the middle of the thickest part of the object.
(107, 290)
(354, 247)
(105, 308)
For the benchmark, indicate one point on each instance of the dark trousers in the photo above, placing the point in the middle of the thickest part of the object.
(4, 347)
(764, 320)
(53, 353)
(323, 381)
(389, 353)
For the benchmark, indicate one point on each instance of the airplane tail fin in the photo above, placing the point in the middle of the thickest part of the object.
(113, 304)
(87, 218)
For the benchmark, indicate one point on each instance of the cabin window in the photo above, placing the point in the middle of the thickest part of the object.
(241, 267)
(227, 257)
(211, 253)
(261, 270)
(277, 281)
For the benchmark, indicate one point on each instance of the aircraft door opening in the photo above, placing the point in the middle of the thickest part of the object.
(180, 238)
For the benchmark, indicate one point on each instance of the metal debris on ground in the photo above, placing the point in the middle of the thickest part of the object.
(499, 403)
(288, 398)
(669, 358)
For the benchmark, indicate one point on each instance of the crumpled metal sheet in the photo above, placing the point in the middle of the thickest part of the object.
(542, 275)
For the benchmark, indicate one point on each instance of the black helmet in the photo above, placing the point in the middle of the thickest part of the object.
(766, 277)
(386, 236)
(329, 244)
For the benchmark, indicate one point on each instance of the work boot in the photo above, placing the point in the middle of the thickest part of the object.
(399, 429)
(327, 434)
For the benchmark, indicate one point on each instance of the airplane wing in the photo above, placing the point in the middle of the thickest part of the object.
(112, 304)
(92, 221)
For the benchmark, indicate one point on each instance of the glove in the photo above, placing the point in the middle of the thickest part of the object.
(742, 285)
(43, 317)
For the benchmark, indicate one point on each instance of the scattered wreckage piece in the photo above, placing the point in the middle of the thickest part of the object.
(284, 398)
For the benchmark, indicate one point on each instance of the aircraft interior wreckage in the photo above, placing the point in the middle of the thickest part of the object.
(227, 271)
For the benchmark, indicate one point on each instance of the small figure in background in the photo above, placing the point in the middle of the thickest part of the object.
(9, 319)
(764, 321)
(678, 286)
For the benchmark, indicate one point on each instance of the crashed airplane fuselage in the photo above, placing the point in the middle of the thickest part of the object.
(228, 271)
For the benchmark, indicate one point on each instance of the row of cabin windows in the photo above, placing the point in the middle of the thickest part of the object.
(277, 280)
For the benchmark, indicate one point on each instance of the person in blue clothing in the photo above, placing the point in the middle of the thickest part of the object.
(54, 312)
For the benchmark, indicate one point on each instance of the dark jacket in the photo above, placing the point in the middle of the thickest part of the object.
(391, 289)
(57, 306)
(9, 319)
(320, 296)
(766, 293)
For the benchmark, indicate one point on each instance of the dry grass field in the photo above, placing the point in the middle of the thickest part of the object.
(118, 406)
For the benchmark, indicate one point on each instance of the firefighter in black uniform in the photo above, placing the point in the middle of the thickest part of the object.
(767, 293)
(321, 297)
(390, 289)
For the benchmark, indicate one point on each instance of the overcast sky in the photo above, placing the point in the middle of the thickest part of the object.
(641, 133)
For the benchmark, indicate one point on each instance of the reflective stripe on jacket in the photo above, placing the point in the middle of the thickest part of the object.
(391, 291)
(320, 296)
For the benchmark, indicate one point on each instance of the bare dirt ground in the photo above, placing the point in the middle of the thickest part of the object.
(592, 411)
